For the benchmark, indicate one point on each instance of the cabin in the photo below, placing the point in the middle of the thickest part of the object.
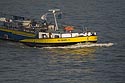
(64, 35)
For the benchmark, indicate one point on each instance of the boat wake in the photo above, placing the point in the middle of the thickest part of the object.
(81, 45)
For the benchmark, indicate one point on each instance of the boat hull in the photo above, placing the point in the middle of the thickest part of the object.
(14, 35)
(58, 41)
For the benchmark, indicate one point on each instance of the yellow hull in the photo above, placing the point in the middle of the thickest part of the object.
(16, 32)
(59, 41)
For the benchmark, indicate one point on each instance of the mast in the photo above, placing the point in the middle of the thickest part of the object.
(54, 14)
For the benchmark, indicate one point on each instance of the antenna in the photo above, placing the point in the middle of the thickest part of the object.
(54, 10)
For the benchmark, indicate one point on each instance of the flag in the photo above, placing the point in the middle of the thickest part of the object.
(43, 17)
(60, 16)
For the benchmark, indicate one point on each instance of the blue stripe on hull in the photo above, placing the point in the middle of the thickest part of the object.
(10, 36)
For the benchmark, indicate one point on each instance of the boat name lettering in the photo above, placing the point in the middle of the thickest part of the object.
(63, 40)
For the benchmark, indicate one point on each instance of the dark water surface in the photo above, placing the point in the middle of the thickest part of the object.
(22, 64)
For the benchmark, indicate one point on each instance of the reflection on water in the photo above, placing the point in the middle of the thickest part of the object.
(77, 51)
(70, 65)
(74, 54)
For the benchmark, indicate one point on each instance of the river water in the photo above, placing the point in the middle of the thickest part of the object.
(103, 62)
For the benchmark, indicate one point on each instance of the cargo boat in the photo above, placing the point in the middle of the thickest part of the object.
(41, 33)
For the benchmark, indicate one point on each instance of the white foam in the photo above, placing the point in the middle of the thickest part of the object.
(82, 45)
